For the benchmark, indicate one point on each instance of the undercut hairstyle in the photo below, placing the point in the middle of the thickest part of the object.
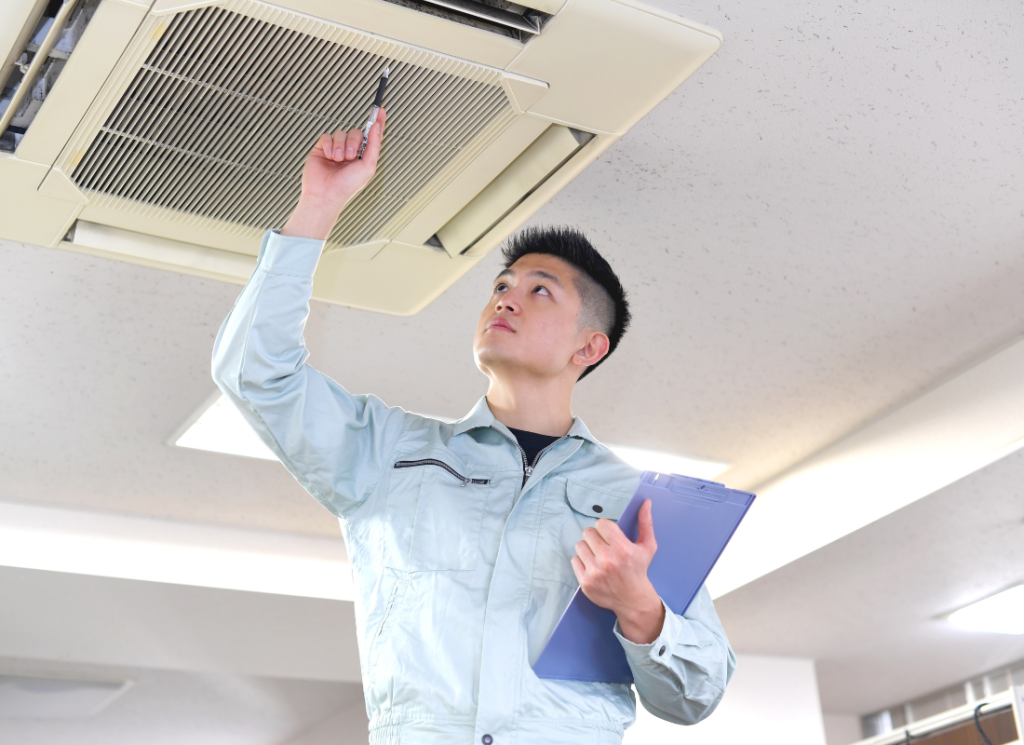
(603, 304)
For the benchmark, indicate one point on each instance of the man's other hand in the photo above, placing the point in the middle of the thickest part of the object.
(612, 571)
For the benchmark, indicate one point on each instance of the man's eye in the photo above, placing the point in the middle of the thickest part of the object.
(542, 290)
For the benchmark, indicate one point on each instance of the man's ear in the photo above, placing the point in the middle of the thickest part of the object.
(593, 351)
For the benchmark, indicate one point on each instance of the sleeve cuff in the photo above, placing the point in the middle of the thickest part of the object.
(289, 254)
(675, 630)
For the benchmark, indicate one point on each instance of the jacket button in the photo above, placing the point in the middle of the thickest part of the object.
(661, 651)
(487, 739)
(597, 508)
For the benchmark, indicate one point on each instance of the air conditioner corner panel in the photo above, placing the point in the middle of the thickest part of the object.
(26, 215)
(58, 185)
(523, 92)
(639, 56)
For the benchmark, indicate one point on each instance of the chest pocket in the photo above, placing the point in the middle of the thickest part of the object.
(435, 509)
(569, 508)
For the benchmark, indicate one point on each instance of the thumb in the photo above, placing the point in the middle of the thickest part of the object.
(645, 528)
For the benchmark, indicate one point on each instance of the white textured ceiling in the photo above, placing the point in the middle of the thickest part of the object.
(825, 219)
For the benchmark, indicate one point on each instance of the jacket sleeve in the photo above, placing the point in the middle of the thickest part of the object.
(681, 675)
(334, 443)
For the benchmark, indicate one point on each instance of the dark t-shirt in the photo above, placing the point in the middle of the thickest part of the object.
(532, 443)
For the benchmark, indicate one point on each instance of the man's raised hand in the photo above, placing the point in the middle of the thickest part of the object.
(333, 173)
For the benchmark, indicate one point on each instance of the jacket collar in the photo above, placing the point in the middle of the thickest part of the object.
(481, 416)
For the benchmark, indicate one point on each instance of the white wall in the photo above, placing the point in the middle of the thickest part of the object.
(348, 727)
(770, 701)
(842, 729)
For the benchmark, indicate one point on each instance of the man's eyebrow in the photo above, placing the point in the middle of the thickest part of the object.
(546, 275)
(535, 273)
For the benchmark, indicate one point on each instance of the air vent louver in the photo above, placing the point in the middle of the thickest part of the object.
(217, 122)
(498, 16)
(32, 68)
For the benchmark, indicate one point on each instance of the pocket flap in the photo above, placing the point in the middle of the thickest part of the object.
(594, 502)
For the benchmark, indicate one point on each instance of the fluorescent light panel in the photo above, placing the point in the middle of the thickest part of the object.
(999, 614)
(124, 547)
(222, 429)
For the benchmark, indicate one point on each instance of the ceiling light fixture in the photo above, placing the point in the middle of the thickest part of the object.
(56, 539)
(1002, 613)
(219, 427)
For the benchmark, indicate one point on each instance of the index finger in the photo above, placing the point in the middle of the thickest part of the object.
(610, 531)
(373, 140)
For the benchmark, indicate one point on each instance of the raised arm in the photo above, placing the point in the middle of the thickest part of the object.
(335, 444)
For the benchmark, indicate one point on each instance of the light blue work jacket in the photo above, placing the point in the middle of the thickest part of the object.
(460, 551)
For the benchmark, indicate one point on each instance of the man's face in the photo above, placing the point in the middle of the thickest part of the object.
(530, 324)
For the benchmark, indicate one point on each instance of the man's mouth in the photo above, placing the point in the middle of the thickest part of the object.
(500, 323)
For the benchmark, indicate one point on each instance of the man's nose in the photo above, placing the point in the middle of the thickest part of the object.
(508, 303)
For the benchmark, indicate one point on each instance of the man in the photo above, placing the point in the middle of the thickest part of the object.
(467, 540)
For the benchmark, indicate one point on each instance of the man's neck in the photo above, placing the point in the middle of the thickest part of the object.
(544, 408)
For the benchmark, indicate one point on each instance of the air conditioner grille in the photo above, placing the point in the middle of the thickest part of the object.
(218, 120)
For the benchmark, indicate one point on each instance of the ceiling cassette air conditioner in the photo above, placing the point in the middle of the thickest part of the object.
(172, 133)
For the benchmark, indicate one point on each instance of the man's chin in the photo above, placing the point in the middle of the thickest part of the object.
(493, 360)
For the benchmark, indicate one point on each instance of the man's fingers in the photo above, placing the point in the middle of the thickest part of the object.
(338, 145)
(374, 139)
(352, 143)
(585, 553)
(578, 569)
(645, 526)
(594, 540)
(610, 532)
(324, 144)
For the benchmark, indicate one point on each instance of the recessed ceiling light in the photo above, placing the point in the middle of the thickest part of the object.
(1000, 614)
(220, 428)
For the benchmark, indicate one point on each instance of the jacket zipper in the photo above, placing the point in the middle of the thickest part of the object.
(442, 464)
(529, 467)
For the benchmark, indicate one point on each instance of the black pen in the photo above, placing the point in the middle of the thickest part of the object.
(376, 107)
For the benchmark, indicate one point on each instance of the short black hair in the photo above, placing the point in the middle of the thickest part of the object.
(602, 296)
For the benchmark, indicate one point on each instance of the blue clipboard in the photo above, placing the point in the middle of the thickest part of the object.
(693, 521)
